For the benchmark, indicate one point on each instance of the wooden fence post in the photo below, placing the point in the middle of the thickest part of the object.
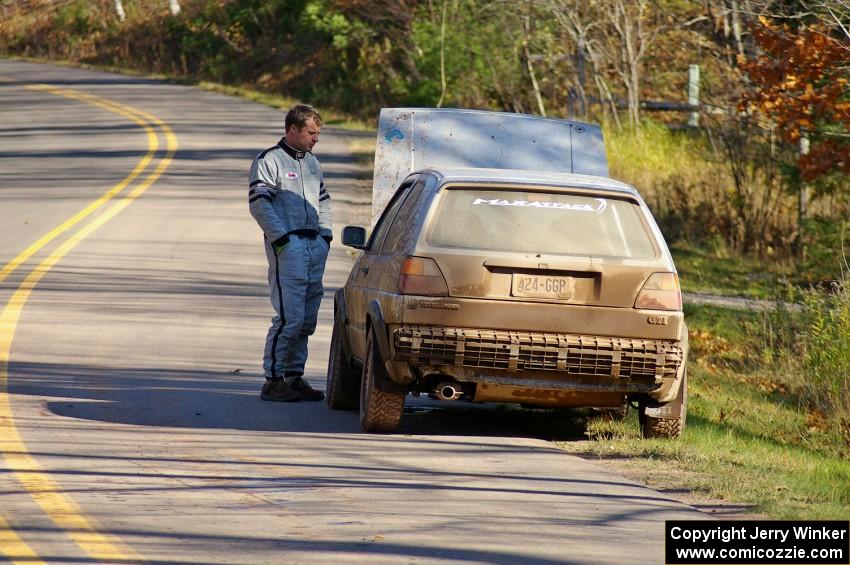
(119, 9)
(803, 203)
(693, 94)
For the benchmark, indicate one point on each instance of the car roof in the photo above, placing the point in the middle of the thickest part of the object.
(526, 177)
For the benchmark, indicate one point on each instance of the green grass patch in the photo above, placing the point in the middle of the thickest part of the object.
(643, 158)
(754, 434)
(717, 271)
(743, 445)
(731, 339)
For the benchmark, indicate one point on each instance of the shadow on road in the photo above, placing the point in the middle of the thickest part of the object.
(229, 400)
(281, 549)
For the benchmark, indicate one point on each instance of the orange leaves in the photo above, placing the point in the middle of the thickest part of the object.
(817, 421)
(802, 85)
(824, 157)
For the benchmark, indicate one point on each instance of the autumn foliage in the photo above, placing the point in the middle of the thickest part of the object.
(802, 85)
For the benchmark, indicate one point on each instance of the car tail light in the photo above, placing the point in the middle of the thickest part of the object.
(660, 292)
(422, 276)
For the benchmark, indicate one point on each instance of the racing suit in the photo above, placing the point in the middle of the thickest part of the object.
(287, 197)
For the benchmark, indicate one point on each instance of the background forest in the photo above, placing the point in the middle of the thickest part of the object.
(747, 168)
(762, 169)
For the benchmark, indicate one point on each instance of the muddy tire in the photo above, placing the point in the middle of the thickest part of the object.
(667, 421)
(379, 411)
(341, 385)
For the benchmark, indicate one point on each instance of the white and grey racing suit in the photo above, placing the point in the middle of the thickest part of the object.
(287, 197)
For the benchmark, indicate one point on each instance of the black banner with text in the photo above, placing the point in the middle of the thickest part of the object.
(756, 542)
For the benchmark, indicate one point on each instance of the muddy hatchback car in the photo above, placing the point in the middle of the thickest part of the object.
(489, 285)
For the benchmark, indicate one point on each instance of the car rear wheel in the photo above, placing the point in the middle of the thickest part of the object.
(379, 411)
(666, 421)
(341, 387)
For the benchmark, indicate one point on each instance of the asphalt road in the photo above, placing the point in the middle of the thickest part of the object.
(134, 308)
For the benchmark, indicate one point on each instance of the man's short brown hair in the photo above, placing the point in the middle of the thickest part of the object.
(299, 114)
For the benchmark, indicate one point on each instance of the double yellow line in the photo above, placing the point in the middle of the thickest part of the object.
(46, 492)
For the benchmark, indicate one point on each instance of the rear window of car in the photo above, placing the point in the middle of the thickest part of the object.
(535, 222)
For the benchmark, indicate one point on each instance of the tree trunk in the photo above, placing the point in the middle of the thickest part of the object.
(443, 55)
(736, 27)
(534, 84)
(578, 27)
(630, 28)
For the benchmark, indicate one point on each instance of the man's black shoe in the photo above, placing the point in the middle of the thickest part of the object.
(307, 392)
(278, 391)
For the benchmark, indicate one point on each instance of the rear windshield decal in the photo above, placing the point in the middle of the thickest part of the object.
(598, 209)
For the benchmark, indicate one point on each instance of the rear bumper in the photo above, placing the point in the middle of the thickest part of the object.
(580, 355)
(575, 354)
(564, 365)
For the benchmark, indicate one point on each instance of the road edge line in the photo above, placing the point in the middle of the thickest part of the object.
(14, 548)
(153, 146)
(61, 508)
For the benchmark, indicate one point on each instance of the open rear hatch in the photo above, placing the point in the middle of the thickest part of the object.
(411, 139)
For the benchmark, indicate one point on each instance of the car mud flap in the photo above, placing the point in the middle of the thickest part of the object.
(672, 409)
(383, 380)
(340, 321)
(669, 410)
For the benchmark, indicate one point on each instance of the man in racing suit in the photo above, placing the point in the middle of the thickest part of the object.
(287, 197)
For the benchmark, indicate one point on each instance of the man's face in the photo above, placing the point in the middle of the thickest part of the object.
(303, 139)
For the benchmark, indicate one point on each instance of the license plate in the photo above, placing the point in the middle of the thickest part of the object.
(537, 286)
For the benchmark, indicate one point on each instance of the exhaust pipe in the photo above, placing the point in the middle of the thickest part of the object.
(448, 391)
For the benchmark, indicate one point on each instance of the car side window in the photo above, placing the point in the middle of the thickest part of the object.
(402, 223)
(386, 219)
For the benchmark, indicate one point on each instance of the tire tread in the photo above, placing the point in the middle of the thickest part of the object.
(379, 411)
